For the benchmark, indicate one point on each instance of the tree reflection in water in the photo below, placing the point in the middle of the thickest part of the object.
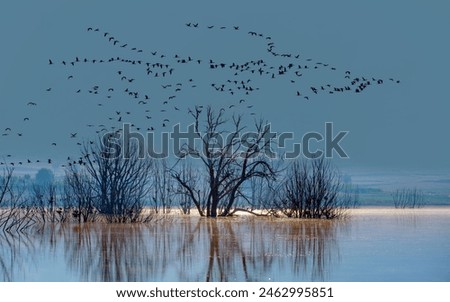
(114, 252)
(13, 249)
(181, 249)
(258, 250)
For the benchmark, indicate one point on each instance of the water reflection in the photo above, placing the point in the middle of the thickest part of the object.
(13, 249)
(182, 249)
(256, 249)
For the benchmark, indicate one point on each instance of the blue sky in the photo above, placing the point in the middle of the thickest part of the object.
(402, 125)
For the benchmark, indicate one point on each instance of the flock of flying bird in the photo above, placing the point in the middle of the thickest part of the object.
(157, 111)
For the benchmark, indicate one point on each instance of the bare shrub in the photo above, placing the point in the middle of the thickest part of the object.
(15, 214)
(312, 189)
(79, 194)
(120, 179)
(408, 198)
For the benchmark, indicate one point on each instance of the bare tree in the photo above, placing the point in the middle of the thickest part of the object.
(312, 189)
(408, 198)
(120, 177)
(162, 189)
(228, 158)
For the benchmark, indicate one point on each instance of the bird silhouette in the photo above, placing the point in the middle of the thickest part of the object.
(277, 65)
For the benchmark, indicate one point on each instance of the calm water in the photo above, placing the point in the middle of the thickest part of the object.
(372, 245)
